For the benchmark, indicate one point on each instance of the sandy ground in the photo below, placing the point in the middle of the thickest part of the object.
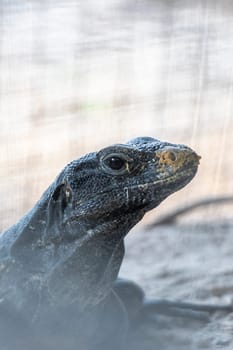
(189, 263)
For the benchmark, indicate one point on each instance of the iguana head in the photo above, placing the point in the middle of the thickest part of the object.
(123, 179)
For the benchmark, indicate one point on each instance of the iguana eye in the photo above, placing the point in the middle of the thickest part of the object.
(115, 163)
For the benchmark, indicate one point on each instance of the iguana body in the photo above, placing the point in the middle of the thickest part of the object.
(59, 264)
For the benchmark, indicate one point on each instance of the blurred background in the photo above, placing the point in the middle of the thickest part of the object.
(76, 76)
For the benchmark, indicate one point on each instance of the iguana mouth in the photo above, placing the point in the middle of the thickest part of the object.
(166, 180)
(147, 199)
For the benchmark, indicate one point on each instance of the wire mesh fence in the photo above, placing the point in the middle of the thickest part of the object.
(76, 76)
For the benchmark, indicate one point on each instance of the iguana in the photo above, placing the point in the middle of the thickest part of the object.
(59, 264)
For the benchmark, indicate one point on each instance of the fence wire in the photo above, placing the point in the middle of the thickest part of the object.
(79, 75)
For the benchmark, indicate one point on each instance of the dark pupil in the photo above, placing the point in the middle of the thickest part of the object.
(115, 163)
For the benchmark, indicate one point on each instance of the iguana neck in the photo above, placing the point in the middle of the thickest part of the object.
(80, 268)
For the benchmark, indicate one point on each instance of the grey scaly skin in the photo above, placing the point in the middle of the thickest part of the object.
(59, 263)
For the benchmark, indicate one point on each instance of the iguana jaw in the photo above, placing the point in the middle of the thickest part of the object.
(153, 193)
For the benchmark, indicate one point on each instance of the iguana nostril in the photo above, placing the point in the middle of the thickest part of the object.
(171, 156)
(176, 158)
(167, 157)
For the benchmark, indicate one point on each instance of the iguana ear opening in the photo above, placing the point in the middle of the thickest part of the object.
(58, 202)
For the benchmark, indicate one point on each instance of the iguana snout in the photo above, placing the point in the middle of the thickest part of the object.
(177, 158)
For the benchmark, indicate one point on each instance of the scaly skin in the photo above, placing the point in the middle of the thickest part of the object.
(59, 263)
